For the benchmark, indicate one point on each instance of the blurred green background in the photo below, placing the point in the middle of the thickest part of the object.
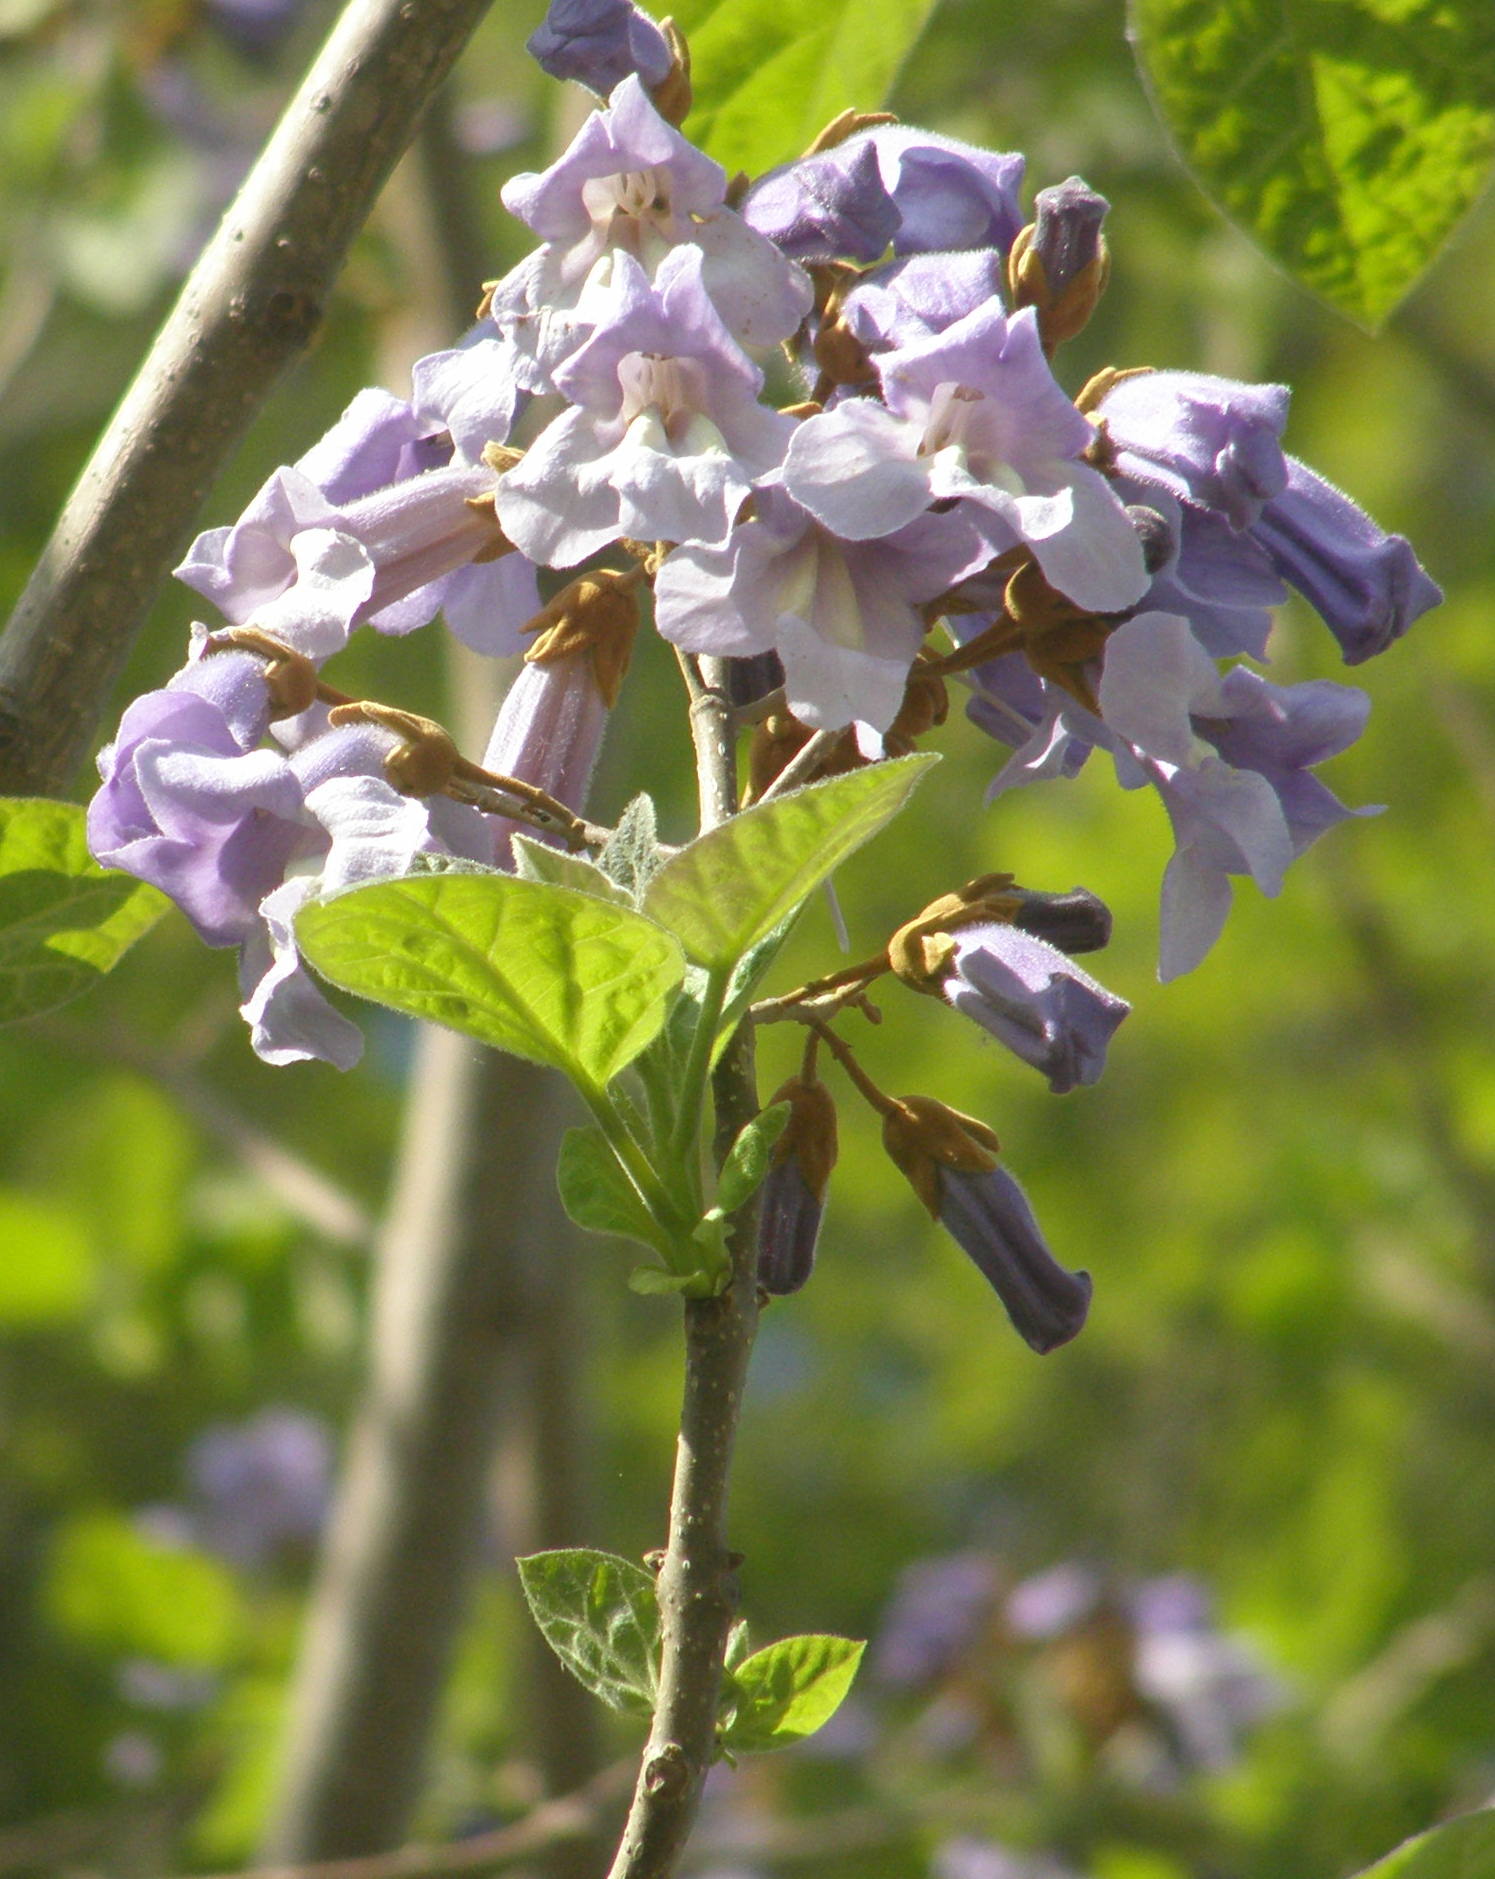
(1284, 1187)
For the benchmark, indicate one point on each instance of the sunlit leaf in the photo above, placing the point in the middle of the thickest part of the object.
(46, 1261)
(790, 1689)
(1349, 137)
(595, 1191)
(64, 920)
(124, 1593)
(552, 975)
(537, 861)
(731, 887)
(600, 1616)
(748, 1158)
(767, 77)
(1460, 1849)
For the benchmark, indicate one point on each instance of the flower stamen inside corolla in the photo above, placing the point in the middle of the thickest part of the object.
(674, 393)
(632, 210)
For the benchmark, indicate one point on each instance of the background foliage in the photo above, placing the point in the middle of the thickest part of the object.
(1284, 1187)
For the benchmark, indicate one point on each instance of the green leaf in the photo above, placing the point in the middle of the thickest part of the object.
(598, 1613)
(121, 1593)
(767, 77)
(734, 885)
(1349, 137)
(64, 920)
(595, 1191)
(552, 975)
(748, 1158)
(536, 861)
(656, 1282)
(630, 855)
(790, 1689)
(47, 1265)
(1460, 1849)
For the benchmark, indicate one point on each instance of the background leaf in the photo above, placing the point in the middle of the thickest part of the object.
(64, 920)
(1461, 1849)
(790, 1689)
(768, 77)
(729, 889)
(595, 1191)
(1349, 137)
(598, 1613)
(547, 973)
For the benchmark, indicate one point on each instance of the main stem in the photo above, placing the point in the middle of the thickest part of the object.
(697, 1580)
(248, 308)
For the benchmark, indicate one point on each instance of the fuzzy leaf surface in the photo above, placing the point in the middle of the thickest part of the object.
(558, 977)
(600, 1616)
(64, 920)
(1348, 137)
(790, 1689)
(731, 887)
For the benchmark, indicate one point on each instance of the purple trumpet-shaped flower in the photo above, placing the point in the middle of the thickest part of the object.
(1208, 441)
(1034, 999)
(937, 1615)
(1367, 586)
(599, 43)
(792, 1198)
(911, 300)
(665, 435)
(631, 183)
(550, 726)
(261, 1485)
(1231, 757)
(308, 570)
(187, 801)
(948, 194)
(843, 618)
(974, 415)
(830, 206)
(950, 1161)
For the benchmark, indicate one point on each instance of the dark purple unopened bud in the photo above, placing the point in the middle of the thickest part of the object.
(833, 205)
(1059, 262)
(792, 1199)
(989, 1215)
(1076, 922)
(950, 1160)
(1067, 221)
(599, 43)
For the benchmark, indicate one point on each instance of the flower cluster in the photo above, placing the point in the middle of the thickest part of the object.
(817, 415)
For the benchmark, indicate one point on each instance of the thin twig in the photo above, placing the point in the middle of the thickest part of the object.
(568, 1817)
(246, 311)
(697, 1578)
(803, 765)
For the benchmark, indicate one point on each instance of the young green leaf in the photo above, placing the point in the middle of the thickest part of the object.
(731, 887)
(748, 1158)
(600, 1616)
(552, 975)
(768, 77)
(595, 1191)
(630, 854)
(64, 920)
(1349, 140)
(790, 1689)
(536, 861)
(1459, 1849)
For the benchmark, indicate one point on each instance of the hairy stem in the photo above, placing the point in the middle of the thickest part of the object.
(246, 311)
(697, 1579)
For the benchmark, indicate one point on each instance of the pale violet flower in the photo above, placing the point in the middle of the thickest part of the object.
(1211, 441)
(631, 184)
(842, 616)
(1034, 999)
(599, 43)
(974, 415)
(665, 434)
(1230, 756)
